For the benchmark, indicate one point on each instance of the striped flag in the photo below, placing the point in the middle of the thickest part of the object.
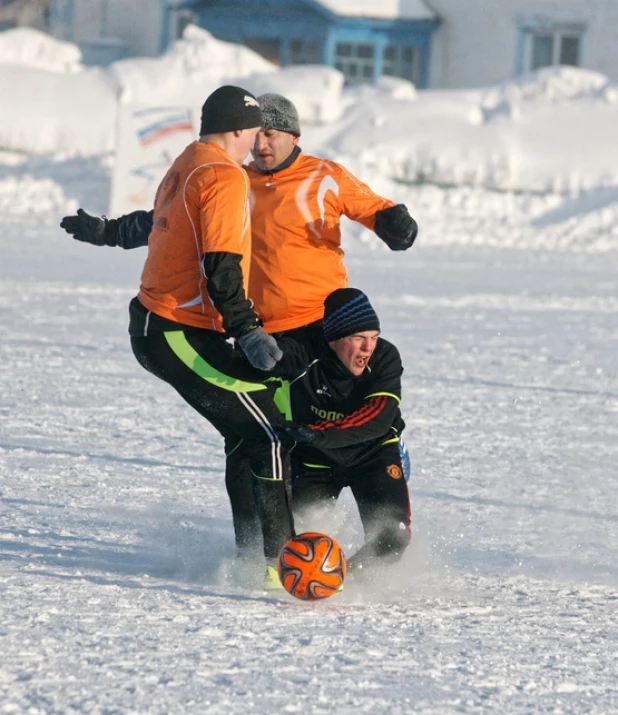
(147, 141)
(154, 124)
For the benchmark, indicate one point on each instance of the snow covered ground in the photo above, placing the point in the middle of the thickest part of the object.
(116, 545)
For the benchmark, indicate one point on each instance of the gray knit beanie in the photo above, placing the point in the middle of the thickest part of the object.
(279, 113)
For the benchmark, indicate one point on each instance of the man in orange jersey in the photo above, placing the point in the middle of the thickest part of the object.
(193, 296)
(297, 259)
(298, 201)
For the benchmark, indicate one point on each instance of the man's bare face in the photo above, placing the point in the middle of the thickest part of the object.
(355, 350)
(272, 148)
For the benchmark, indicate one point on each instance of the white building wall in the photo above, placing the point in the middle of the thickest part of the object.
(478, 41)
(135, 23)
(138, 25)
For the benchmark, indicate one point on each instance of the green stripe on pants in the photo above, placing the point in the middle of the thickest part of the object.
(179, 344)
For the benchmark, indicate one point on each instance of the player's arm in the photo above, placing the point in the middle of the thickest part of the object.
(297, 357)
(391, 222)
(225, 287)
(223, 272)
(129, 231)
(345, 441)
(224, 229)
(371, 421)
(220, 197)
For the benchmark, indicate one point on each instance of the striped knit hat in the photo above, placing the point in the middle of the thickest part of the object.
(348, 311)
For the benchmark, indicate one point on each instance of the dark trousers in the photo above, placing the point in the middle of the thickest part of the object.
(221, 386)
(381, 495)
(237, 468)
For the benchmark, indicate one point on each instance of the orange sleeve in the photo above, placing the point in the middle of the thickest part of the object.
(223, 210)
(358, 201)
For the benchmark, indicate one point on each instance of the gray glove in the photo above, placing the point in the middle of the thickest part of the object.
(91, 229)
(260, 349)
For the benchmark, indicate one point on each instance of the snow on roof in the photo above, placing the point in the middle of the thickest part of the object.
(384, 9)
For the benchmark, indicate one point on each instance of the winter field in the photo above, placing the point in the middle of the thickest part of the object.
(116, 546)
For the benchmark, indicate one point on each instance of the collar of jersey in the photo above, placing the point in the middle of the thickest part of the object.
(284, 164)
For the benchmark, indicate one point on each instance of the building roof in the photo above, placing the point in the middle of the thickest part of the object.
(385, 9)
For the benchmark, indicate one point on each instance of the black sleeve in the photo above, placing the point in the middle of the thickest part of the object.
(372, 421)
(296, 358)
(225, 288)
(133, 229)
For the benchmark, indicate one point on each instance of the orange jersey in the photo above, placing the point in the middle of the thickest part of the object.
(201, 207)
(297, 259)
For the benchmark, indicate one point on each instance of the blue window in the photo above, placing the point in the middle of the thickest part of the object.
(401, 61)
(356, 60)
(305, 52)
(547, 45)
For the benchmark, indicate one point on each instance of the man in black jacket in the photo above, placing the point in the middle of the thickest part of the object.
(345, 422)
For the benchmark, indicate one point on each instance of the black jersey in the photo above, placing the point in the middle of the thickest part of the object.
(352, 417)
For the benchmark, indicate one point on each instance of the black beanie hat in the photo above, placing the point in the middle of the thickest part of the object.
(229, 108)
(279, 113)
(348, 311)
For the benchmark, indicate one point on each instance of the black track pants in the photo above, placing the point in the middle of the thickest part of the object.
(381, 494)
(218, 383)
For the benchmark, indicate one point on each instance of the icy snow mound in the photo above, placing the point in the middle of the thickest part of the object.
(59, 114)
(552, 84)
(550, 132)
(80, 109)
(194, 66)
(315, 90)
(473, 216)
(39, 189)
(545, 138)
(25, 46)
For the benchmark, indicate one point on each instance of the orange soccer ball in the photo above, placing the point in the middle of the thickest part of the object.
(312, 566)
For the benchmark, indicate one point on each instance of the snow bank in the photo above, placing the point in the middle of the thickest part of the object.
(25, 46)
(550, 85)
(51, 104)
(552, 132)
(193, 67)
(48, 113)
(315, 90)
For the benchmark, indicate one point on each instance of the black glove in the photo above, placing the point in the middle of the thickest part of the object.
(396, 227)
(260, 349)
(292, 434)
(91, 229)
